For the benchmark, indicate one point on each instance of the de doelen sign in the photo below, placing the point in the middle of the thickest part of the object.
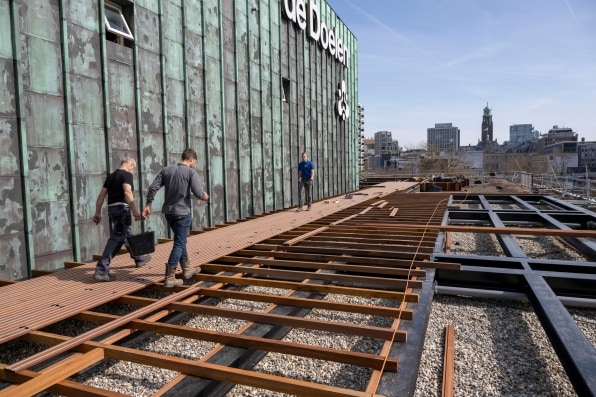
(306, 15)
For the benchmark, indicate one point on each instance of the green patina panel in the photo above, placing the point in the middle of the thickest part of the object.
(86, 100)
(7, 94)
(40, 19)
(5, 31)
(43, 70)
(84, 51)
(44, 119)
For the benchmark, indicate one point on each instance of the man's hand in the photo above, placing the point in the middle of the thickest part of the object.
(146, 212)
(137, 215)
(97, 218)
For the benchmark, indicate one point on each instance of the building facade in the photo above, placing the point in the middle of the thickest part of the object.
(519, 133)
(443, 137)
(248, 84)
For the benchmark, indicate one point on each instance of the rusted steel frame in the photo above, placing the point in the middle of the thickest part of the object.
(373, 261)
(392, 232)
(250, 342)
(380, 238)
(369, 247)
(327, 265)
(448, 362)
(382, 311)
(325, 289)
(375, 377)
(305, 236)
(55, 374)
(64, 387)
(274, 319)
(42, 356)
(217, 372)
(509, 230)
(356, 252)
(342, 279)
(382, 242)
(394, 283)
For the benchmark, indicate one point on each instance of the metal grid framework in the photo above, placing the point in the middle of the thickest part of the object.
(544, 282)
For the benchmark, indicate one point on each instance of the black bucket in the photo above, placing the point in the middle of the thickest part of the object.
(142, 243)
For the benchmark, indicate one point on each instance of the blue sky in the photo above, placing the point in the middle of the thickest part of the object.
(423, 62)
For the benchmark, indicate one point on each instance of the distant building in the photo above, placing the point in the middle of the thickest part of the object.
(558, 140)
(443, 137)
(487, 125)
(386, 149)
(586, 156)
(520, 133)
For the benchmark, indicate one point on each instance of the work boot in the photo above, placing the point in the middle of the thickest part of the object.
(142, 260)
(171, 280)
(104, 277)
(189, 271)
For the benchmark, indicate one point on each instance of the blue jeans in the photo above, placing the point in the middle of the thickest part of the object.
(180, 225)
(121, 220)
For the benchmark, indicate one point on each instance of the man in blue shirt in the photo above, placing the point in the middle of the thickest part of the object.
(306, 174)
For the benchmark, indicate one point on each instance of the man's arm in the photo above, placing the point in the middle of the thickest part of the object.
(98, 204)
(130, 200)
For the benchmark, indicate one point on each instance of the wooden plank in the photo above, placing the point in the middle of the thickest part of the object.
(448, 362)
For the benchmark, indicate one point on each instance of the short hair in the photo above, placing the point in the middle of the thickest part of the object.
(129, 160)
(189, 154)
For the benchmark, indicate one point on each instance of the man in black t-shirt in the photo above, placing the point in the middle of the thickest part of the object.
(118, 187)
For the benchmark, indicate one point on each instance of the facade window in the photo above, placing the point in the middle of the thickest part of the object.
(285, 90)
(116, 25)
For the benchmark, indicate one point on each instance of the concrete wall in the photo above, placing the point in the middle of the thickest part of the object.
(201, 74)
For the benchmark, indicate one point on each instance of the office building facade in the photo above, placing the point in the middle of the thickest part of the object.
(443, 137)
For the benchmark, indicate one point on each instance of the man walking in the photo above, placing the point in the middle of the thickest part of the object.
(180, 180)
(306, 174)
(118, 187)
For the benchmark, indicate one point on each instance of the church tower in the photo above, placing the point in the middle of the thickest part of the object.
(487, 125)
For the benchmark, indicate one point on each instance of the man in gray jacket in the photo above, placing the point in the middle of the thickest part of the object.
(180, 180)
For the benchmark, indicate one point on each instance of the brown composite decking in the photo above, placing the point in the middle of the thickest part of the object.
(35, 303)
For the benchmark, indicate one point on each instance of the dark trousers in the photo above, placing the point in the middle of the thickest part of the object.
(121, 220)
(306, 185)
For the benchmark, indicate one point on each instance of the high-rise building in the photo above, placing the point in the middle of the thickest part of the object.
(520, 133)
(487, 125)
(443, 137)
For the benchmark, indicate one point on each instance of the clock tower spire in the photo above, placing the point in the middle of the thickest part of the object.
(487, 125)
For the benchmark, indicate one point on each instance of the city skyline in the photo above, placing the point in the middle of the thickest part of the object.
(426, 62)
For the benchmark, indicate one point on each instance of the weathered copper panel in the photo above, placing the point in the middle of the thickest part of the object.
(82, 14)
(51, 227)
(44, 119)
(173, 26)
(120, 87)
(7, 94)
(5, 31)
(14, 262)
(42, 67)
(86, 100)
(84, 51)
(151, 112)
(40, 19)
(174, 53)
(122, 132)
(149, 71)
(175, 100)
(147, 24)
(194, 17)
